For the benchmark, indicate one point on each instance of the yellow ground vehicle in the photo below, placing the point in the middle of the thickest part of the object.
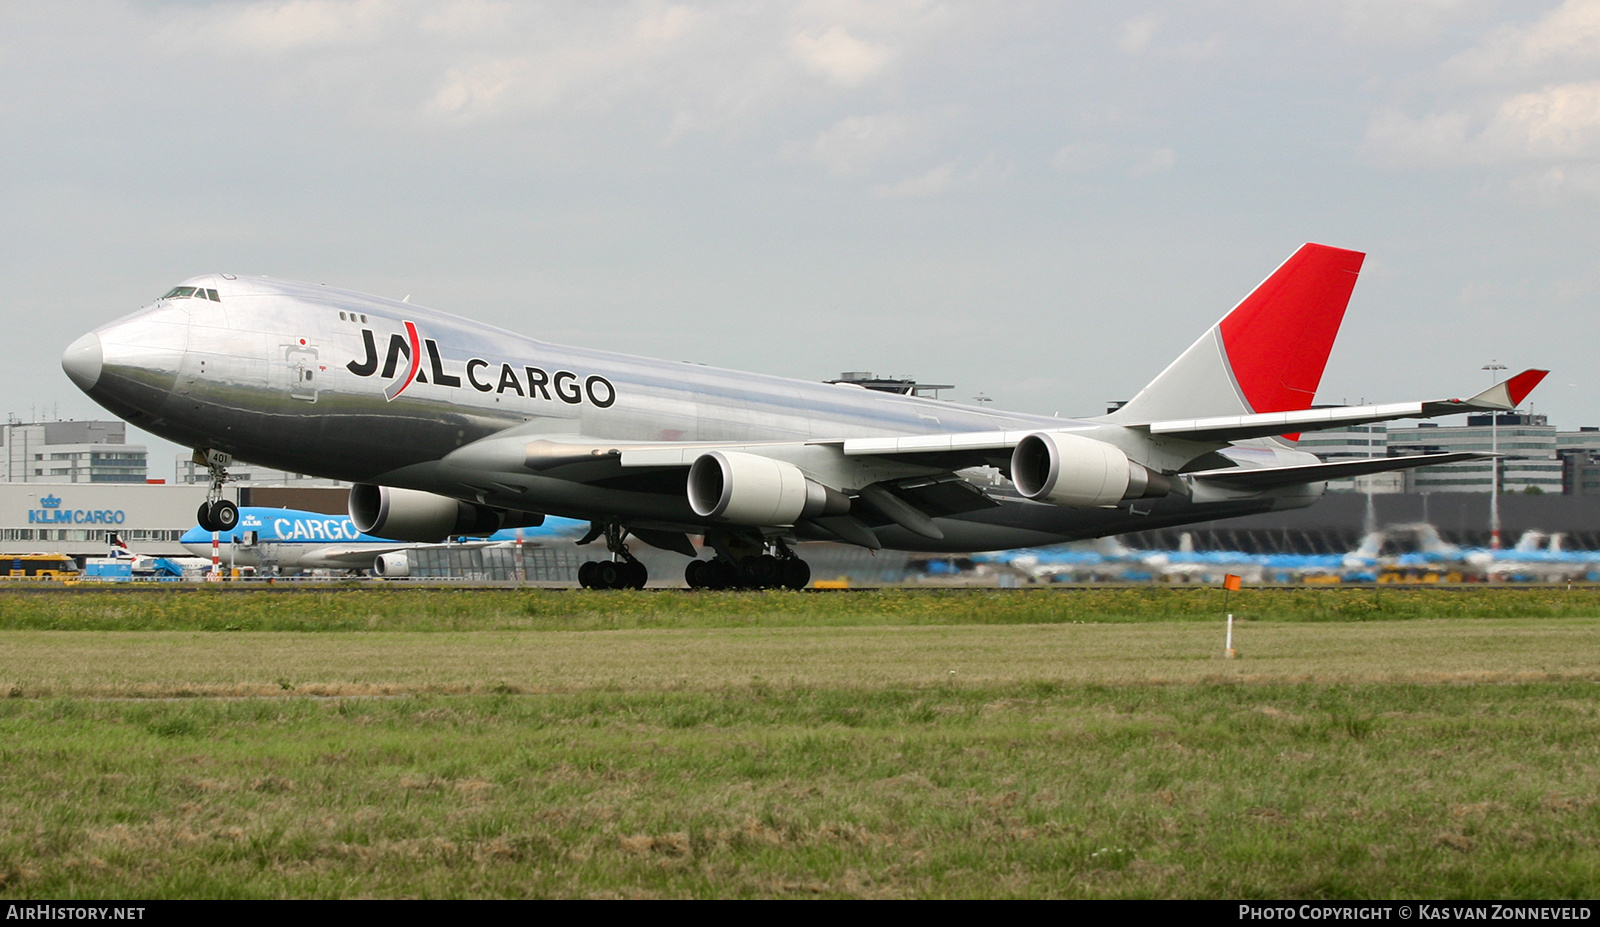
(38, 566)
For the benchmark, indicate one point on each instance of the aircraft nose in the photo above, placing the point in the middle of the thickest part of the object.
(82, 361)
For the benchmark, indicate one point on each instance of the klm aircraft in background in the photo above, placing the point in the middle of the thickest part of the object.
(291, 540)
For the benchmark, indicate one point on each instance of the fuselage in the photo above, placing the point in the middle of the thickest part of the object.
(290, 539)
(338, 384)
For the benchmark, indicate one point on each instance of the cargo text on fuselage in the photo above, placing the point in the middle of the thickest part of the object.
(402, 363)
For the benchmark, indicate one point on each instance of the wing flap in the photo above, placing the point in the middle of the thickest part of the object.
(1268, 477)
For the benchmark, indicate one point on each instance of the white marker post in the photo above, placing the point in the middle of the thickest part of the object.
(1230, 583)
(216, 556)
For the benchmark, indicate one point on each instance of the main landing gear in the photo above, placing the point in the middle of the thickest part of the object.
(742, 563)
(622, 571)
(216, 513)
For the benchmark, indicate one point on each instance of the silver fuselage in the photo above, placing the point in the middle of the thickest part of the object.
(337, 384)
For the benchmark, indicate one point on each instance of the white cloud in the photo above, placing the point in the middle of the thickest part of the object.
(843, 59)
(1557, 122)
(1563, 44)
(1083, 157)
(289, 26)
(1391, 22)
(1095, 157)
(1558, 184)
(1525, 94)
(1157, 161)
(856, 144)
(1394, 139)
(478, 89)
(1139, 37)
(467, 18)
(931, 183)
(1138, 32)
(1554, 123)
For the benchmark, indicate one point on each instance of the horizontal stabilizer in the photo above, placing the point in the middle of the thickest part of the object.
(1268, 477)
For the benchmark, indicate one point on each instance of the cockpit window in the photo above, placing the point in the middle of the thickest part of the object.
(192, 292)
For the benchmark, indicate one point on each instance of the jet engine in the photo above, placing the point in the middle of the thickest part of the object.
(1068, 469)
(413, 515)
(392, 565)
(748, 489)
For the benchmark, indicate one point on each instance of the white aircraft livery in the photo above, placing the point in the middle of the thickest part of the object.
(290, 539)
(449, 427)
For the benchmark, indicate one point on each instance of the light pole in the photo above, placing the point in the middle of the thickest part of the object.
(1494, 463)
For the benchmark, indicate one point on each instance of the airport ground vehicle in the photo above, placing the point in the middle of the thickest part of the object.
(38, 566)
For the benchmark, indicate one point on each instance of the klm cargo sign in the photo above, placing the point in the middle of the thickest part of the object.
(51, 513)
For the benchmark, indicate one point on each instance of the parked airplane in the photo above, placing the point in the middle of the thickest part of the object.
(287, 539)
(451, 427)
(142, 566)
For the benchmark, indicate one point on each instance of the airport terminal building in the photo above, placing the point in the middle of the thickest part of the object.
(77, 518)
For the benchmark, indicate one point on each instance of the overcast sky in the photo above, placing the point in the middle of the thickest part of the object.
(1041, 202)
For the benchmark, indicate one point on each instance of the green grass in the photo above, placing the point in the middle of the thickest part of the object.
(1039, 743)
(411, 609)
(1278, 791)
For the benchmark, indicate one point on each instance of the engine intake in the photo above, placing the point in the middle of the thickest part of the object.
(392, 566)
(1068, 469)
(748, 489)
(414, 515)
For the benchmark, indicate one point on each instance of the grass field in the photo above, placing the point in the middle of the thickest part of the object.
(899, 744)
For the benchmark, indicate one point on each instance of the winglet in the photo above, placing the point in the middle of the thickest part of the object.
(1509, 394)
(1523, 383)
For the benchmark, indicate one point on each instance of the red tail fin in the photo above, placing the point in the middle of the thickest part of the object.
(1267, 355)
(1279, 338)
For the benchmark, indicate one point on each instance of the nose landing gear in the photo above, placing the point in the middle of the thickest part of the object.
(216, 513)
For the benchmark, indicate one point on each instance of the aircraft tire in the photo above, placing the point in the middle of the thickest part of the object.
(760, 572)
(204, 517)
(693, 573)
(586, 574)
(796, 573)
(225, 515)
(636, 575)
(718, 574)
(608, 574)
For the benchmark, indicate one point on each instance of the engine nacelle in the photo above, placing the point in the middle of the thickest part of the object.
(1069, 469)
(748, 489)
(393, 566)
(414, 515)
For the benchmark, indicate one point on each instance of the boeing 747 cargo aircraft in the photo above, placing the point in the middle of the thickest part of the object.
(449, 427)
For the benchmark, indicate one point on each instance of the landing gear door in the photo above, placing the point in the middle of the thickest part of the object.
(302, 371)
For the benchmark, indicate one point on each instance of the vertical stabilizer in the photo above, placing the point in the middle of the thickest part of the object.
(1267, 354)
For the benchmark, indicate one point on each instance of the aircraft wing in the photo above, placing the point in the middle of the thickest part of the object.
(911, 480)
(343, 558)
(955, 451)
(361, 557)
(1502, 397)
